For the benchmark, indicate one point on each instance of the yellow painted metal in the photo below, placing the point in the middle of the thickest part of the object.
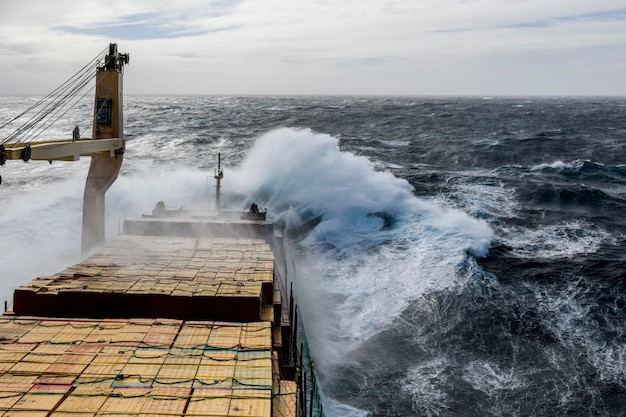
(104, 169)
(65, 150)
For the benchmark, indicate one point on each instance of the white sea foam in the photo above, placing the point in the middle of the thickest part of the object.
(555, 240)
(573, 324)
(575, 165)
(335, 408)
(497, 384)
(491, 379)
(554, 165)
(426, 385)
(484, 198)
(356, 275)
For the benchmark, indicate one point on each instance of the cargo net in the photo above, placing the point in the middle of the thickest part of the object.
(141, 366)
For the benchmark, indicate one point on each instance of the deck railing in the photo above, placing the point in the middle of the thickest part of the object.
(310, 398)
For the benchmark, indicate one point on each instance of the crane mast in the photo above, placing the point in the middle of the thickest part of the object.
(108, 123)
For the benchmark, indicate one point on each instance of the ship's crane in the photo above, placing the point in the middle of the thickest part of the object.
(105, 147)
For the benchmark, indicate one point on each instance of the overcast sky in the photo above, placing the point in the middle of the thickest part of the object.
(388, 47)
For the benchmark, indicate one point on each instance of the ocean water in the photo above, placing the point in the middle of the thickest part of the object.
(455, 256)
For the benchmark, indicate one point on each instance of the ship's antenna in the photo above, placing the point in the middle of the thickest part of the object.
(219, 174)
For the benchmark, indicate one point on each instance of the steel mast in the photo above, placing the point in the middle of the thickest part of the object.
(219, 174)
(108, 122)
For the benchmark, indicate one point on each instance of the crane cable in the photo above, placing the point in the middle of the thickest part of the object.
(53, 104)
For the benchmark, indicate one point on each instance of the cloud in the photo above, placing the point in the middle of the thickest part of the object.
(131, 28)
(319, 47)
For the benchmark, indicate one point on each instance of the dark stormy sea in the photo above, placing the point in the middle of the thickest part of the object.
(455, 256)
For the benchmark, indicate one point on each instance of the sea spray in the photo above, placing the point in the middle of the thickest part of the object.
(41, 231)
(371, 246)
(138, 191)
(41, 217)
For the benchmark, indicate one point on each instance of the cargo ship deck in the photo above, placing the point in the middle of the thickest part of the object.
(154, 325)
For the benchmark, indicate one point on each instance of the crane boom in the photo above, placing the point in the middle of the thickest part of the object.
(62, 149)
